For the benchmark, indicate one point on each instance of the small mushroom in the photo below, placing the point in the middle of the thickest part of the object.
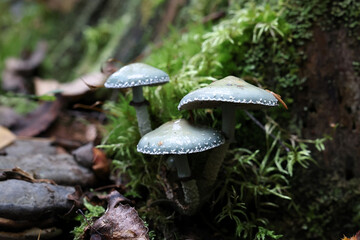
(229, 94)
(178, 138)
(135, 76)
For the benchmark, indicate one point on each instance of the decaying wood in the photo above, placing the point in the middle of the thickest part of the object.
(20, 200)
(61, 168)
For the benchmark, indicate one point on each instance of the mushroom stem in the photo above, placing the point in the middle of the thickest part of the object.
(189, 187)
(142, 113)
(182, 165)
(217, 155)
(228, 121)
(191, 196)
(212, 167)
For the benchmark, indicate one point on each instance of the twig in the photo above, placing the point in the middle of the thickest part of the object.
(263, 128)
(79, 211)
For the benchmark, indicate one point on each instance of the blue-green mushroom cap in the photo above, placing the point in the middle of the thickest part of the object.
(136, 74)
(229, 90)
(179, 137)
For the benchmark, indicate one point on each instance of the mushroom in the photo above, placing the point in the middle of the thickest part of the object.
(135, 76)
(178, 138)
(229, 94)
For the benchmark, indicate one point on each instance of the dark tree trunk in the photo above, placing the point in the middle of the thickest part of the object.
(331, 97)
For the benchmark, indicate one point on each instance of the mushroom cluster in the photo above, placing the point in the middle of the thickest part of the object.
(179, 138)
(229, 94)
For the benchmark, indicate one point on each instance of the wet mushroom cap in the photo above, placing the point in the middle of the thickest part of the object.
(136, 74)
(229, 90)
(179, 137)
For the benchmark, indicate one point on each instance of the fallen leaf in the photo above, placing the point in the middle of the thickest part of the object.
(77, 87)
(18, 173)
(6, 137)
(73, 130)
(101, 165)
(278, 97)
(39, 120)
(120, 222)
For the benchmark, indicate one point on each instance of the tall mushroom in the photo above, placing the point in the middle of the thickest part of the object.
(178, 138)
(135, 76)
(229, 94)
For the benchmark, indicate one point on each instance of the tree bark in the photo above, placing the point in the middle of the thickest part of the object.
(330, 100)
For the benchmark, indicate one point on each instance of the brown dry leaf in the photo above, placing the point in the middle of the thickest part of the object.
(39, 120)
(6, 137)
(120, 222)
(278, 97)
(101, 165)
(18, 173)
(72, 132)
(77, 87)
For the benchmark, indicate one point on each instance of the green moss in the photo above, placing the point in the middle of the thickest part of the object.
(21, 104)
(86, 219)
